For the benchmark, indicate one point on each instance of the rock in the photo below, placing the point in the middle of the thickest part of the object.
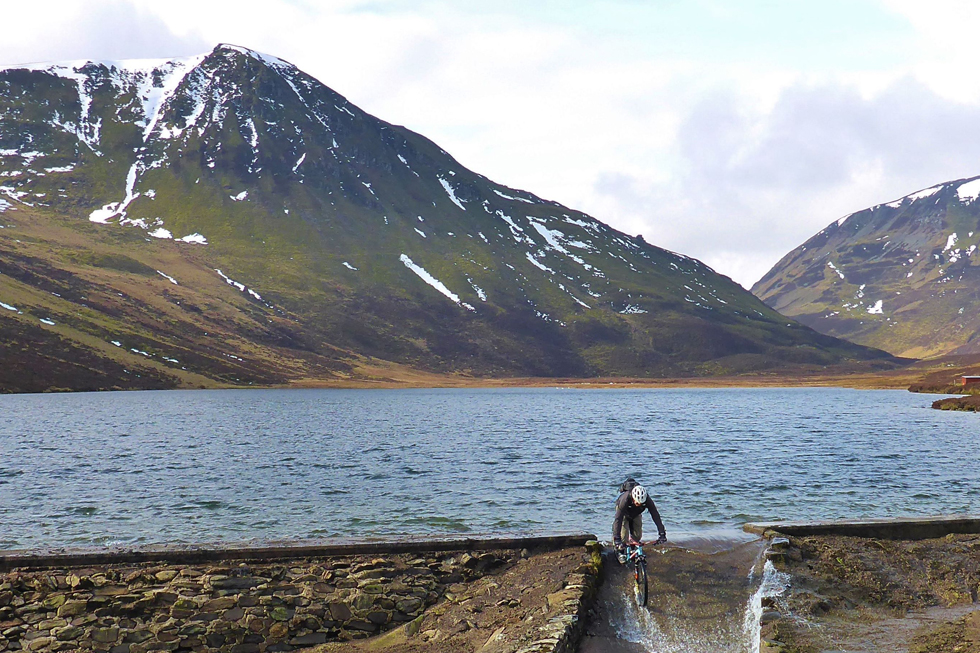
(280, 613)
(410, 605)
(309, 640)
(378, 617)
(111, 590)
(217, 605)
(241, 583)
(340, 611)
(486, 562)
(358, 624)
(138, 636)
(78, 582)
(39, 643)
(69, 633)
(245, 648)
(13, 632)
(165, 576)
(54, 601)
(72, 608)
(768, 616)
(191, 630)
(167, 636)
(164, 598)
(375, 573)
(362, 602)
(278, 630)
(105, 635)
(233, 614)
(48, 624)
(215, 640)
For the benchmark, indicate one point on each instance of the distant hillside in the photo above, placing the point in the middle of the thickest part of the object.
(902, 276)
(228, 218)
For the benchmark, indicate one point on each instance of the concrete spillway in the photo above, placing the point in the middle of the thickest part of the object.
(705, 596)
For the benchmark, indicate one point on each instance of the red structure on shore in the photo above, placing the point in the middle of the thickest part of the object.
(969, 380)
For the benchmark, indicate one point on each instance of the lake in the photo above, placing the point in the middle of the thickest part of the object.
(234, 465)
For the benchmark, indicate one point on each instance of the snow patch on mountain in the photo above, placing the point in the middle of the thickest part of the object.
(950, 242)
(512, 197)
(432, 281)
(538, 264)
(160, 232)
(237, 284)
(969, 191)
(451, 192)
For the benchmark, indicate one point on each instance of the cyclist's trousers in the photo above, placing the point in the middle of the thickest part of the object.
(635, 525)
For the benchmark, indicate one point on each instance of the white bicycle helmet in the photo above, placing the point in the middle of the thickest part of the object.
(639, 494)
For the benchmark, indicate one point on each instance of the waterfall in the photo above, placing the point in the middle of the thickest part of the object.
(773, 584)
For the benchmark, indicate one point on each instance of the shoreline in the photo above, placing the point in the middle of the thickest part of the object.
(595, 383)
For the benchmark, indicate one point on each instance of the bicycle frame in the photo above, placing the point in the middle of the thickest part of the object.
(634, 552)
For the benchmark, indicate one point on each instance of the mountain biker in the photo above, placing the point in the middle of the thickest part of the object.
(632, 501)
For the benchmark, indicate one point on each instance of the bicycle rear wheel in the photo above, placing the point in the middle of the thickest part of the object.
(640, 575)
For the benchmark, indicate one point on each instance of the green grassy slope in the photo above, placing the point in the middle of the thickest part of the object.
(350, 238)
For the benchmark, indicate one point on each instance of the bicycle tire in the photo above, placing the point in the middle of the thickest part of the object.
(640, 576)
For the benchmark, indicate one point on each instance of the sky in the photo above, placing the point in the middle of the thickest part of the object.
(727, 131)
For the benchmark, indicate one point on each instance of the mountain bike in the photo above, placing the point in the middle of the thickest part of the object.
(636, 557)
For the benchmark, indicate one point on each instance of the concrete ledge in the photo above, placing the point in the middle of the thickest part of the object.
(899, 528)
(201, 553)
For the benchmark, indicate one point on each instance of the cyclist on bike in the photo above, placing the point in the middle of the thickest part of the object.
(632, 501)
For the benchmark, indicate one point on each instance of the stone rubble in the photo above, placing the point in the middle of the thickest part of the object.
(230, 608)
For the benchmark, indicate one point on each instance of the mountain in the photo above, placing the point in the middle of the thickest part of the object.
(902, 276)
(229, 219)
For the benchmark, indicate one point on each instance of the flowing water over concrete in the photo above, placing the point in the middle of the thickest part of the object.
(703, 599)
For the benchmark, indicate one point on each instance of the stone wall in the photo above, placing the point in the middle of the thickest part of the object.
(235, 607)
(893, 528)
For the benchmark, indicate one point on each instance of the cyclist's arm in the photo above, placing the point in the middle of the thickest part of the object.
(652, 507)
(618, 523)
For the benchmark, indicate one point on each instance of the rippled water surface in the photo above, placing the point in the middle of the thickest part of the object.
(120, 468)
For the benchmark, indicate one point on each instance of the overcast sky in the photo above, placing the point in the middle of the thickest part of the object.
(729, 131)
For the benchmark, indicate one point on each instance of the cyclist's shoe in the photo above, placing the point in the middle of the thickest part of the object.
(622, 558)
(660, 540)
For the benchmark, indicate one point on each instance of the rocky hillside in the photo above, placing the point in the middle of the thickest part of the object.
(230, 219)
(902, 276)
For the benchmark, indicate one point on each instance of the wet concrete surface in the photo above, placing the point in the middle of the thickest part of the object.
(700, 596)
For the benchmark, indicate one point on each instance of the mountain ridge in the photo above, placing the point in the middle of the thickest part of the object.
(902, 275)
(359, 238)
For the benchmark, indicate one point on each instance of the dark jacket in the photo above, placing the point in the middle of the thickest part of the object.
(625, 509)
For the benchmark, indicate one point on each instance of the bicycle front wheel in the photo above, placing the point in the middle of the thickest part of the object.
(640, 575)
